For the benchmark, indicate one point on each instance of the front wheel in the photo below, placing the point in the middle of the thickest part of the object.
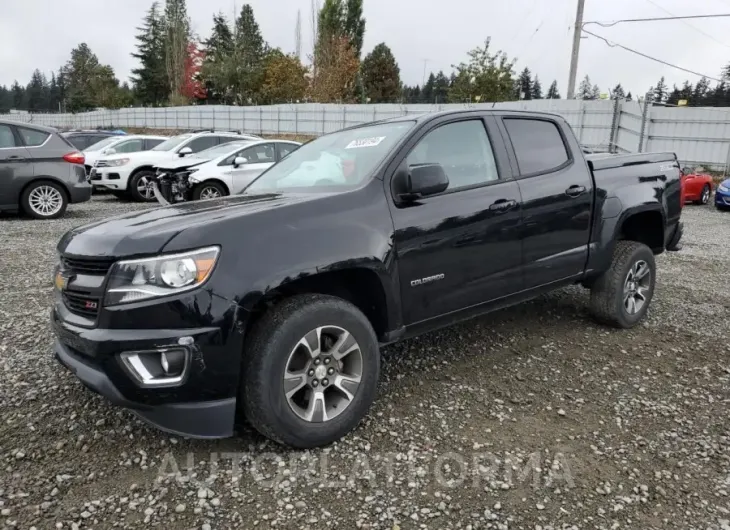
(310, 371)
(44, 200)
(140, 186)
(208, 190)
(621, 296)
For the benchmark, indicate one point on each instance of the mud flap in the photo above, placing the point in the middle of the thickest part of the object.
(674, 243)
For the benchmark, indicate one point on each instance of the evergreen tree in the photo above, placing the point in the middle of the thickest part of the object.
(553, 91)
(524, 85)
(536, 89)
(150, 79)
(699, 94)
(218, 70)
(595, 92)
(354, 25)
(719, 96)
(674, 96)
(54, 94)
(660, 91)
(249, 55)
(428, 88)
(37, 92)
(20, 101)
(6, 99)
(441, 88)
(381, 76)
(585, 89)
(89, 84)
(177, 37)
(618, 92)
(629, 97)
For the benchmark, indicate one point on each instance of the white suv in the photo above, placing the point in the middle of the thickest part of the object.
(132, 174)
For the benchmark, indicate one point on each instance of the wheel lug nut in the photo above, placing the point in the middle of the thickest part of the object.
(325, 382)
(317, 360)
(327, 360)
(315, 383)
(331, 371)
(310, 373)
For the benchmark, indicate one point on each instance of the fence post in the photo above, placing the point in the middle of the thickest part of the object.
(645, 122)
(344, 116)
(324, 113)
(375, 113)
(727, 162)
(614, 126)
(278, 121)
(296, 119)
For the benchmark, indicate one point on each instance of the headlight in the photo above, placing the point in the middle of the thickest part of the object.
(142, 279)
(116, 163)
(723, 189)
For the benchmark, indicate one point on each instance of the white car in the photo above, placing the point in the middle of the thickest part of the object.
(132, 173)
(223, 170)
(120, 144)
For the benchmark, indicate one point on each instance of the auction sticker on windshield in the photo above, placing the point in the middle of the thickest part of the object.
(365, 142)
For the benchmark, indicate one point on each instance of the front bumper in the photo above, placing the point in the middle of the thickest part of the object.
(721, 199)
(113, 178)
(203, 403)
(204, 419)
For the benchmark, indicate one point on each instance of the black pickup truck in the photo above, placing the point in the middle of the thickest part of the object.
(272, 306)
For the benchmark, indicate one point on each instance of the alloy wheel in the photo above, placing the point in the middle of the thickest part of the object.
(145, 188)
(210, 192)
(323, 373)
(705, 196)
(637, 287)
(45, 201)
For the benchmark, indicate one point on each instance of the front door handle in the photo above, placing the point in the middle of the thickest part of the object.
(575, 191)
(15, 158)
(502, 205)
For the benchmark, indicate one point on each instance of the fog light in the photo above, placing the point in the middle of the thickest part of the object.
(164, 367)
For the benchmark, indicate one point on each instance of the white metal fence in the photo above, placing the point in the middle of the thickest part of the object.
(699, 136)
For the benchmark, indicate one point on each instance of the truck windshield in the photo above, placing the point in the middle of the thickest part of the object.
(336, 162)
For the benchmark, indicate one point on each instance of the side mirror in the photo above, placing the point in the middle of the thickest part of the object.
(422, 180)
(239, 161)
(185, 151)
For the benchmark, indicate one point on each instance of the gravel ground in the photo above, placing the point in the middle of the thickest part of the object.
(533, 417)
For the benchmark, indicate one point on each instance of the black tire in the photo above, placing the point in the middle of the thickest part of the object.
(198, 190)
(134, 183)
(273, 338)
(37, 187)
(705, 195)
(607, 293)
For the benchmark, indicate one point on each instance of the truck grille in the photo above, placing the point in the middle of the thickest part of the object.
(81, 303)
(88, 265)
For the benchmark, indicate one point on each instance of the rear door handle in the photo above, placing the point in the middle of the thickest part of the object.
(575, 191)
(502, 205)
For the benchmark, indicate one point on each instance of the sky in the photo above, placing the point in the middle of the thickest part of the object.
(422, 33)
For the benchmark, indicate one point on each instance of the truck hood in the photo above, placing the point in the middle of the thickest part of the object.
(147, 232)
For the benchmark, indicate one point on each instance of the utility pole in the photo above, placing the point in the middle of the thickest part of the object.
(577, 29)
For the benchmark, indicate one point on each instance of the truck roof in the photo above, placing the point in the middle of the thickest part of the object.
(428, 116)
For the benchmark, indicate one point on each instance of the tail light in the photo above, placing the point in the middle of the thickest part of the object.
(75, 158)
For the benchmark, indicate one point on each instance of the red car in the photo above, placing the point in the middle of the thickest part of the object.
(696, 187)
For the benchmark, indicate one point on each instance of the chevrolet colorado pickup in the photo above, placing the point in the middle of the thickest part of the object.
(271, 306)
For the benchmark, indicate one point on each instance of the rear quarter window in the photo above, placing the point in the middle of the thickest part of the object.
(538, 145)
(32, 137)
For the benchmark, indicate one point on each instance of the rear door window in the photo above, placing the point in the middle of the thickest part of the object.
(7, 139)
(538, 145)
(285, 149)
(259, 154)
(32, 137)
(150, 143)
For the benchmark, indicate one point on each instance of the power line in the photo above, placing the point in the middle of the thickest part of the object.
(617, 45)
(698, 30)
(655, 19)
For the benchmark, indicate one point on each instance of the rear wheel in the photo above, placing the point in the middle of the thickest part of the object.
(208, 190)
(705, 195)
(621, 296)
(140, 186)
(310, 371)
(44, 200)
